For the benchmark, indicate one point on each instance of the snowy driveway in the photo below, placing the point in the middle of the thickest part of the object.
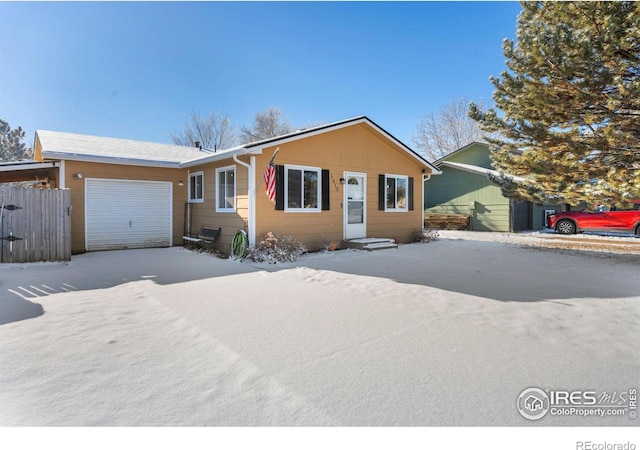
(446, 333)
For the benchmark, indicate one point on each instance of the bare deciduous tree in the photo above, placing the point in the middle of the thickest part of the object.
(443, 132)
(266, 125)
(213, 131)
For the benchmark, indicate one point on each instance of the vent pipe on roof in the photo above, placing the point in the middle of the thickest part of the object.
(198, 144)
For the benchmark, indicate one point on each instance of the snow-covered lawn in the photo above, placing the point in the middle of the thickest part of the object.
(445, 333)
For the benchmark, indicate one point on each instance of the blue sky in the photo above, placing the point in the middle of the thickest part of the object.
(137, 70)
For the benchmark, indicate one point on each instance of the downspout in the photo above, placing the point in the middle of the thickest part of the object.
(425, 178)
(251, 221)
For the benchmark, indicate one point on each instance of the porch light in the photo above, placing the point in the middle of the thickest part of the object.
(77, 176)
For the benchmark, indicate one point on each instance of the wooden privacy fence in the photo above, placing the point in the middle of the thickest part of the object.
(35, 224)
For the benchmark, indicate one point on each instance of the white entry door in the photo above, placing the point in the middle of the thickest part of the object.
(355, 205)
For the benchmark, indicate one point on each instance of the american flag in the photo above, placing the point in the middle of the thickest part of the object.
(270, 179)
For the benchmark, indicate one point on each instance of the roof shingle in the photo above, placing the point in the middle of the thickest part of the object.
(55, 144)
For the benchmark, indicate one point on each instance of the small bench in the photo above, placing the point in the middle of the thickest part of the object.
(205, 239)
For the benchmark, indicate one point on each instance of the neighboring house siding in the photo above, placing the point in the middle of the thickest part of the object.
(121, 172)
(454, 191)
(352, 149)
(484, 218)
(491, 218)
(475, 154)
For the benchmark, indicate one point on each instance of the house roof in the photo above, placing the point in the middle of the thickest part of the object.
(82, 147)
(258, 146)
(482, 171)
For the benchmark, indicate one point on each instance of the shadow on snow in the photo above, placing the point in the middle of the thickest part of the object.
(22, 284)
(497, 271)
(485, 269)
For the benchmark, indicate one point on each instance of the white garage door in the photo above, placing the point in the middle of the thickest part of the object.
(127, 214)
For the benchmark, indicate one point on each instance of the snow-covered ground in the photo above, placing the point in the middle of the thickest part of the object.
(616, 243)
(445, 333)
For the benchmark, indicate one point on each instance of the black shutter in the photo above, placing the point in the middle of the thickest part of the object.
(279, 188)
(325, 190)
(381, 190)
(410, 195)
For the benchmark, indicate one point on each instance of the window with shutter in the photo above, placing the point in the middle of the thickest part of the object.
(302, 188)
(395, 193)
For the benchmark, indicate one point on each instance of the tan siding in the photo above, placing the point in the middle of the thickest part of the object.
(205, 213)
(355, 149)
(121, 172)
(37, 150)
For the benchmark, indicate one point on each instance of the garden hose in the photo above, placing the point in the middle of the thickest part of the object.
(239, 245)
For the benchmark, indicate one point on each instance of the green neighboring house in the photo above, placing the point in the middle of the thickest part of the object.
(464, 188)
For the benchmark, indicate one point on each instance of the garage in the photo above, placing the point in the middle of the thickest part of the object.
(121, 214)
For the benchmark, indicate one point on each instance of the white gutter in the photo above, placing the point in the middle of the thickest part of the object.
(220, 155)
(251, 221)
(27, 166)
(129, 161)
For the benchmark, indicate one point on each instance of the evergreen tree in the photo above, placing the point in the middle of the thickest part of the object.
(11, 146)
(571, 101)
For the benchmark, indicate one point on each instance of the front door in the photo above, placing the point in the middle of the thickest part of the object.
(355, 205)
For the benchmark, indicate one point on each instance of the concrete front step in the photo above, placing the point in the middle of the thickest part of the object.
(370, 243)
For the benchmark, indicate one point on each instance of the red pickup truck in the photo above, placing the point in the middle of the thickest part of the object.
(622, 221)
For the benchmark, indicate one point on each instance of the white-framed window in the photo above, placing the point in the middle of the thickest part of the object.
(302, 191)
(226, 189)
(196, 187)
(396, 193)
